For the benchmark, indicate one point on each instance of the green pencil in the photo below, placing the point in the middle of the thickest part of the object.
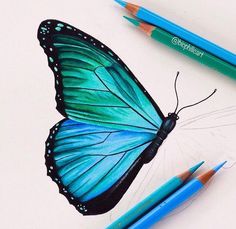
(153, 200)
(186, 48)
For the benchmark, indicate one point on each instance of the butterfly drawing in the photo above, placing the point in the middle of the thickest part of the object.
(112, 126)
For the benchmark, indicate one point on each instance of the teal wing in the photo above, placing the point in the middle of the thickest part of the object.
(94, 165)
(93, 85)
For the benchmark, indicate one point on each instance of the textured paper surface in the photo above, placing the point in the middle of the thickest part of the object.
(29, 199)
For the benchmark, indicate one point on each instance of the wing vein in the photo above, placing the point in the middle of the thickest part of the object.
(126, 103)
(102, 121)
(135, 102)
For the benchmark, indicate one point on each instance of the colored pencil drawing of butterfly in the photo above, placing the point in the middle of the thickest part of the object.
(112, 126)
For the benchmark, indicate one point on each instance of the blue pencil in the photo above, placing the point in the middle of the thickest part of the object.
(176, 199)
(188, 36)
(153, 200)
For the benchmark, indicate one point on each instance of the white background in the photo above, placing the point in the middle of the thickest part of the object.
(28, 198)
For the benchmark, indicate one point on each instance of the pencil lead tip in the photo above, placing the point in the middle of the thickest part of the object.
(196, 167)
(122, 3)
(218, 167)
(133, 21)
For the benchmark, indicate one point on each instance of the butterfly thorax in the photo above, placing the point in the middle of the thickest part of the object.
(167, 126)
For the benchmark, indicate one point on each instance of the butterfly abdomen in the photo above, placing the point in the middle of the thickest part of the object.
(150, 152)
(167, 126)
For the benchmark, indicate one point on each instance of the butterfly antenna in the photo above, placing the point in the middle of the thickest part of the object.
(192, 105)
(176, 92)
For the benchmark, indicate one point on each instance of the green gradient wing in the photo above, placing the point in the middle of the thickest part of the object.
(93, 85)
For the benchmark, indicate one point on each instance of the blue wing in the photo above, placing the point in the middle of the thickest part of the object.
(94, 165)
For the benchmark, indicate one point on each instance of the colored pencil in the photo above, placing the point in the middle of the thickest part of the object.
(186, 48)
(175, 200)
(178, 31)
(153, 200)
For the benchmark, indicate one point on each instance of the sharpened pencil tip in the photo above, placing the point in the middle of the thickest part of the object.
(204, 178)
(133, 21)
(185, 175)
(218, 167)
(122, 3)
(196, 167)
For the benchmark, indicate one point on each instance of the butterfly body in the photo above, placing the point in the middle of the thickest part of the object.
(167, 126)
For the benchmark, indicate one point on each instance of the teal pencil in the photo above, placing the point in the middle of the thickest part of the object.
(152, 200)
(186, 48)
(175, 200)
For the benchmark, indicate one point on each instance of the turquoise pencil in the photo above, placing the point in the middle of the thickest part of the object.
(185, 48)
(175, 200)
(152, 200)
(154, 19)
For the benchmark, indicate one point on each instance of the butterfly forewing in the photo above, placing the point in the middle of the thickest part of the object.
(93, 85)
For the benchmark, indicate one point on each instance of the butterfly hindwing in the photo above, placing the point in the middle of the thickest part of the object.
(93, 165)
(93, 85)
